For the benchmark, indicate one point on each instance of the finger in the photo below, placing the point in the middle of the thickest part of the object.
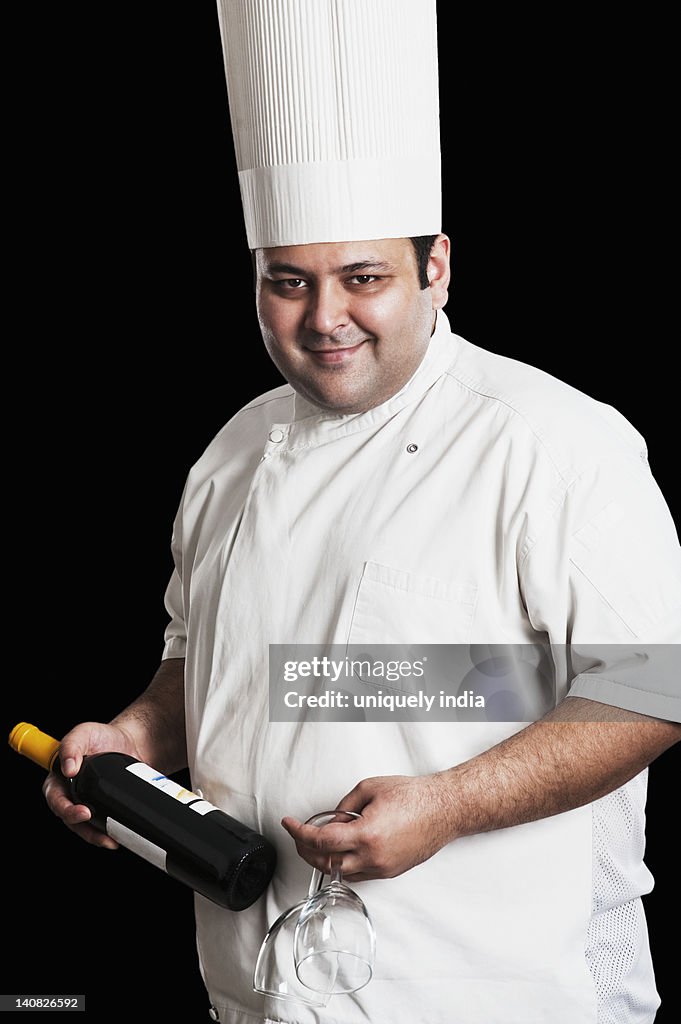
(333, 838)
(59, 802)
(357, 867)
(322, 862)
(360, 876)
(93, 836)
(360, 866)
(57, 795)
(349, 863)
(76, 816)
(70, 813)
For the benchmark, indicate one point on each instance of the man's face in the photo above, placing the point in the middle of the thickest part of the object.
(347, 323)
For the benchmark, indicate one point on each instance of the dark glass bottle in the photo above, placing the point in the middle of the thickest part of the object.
(171, 827)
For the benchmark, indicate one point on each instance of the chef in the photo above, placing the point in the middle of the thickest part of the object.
(407, 487)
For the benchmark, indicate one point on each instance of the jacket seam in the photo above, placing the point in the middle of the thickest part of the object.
(500, 401)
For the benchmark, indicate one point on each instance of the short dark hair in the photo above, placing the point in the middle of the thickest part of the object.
(423, 246)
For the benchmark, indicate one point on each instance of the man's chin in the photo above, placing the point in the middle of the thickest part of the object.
(336, 404)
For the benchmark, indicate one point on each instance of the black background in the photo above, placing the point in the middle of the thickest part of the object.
(134, 339)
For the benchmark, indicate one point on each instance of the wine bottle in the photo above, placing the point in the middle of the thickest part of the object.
(153, 816)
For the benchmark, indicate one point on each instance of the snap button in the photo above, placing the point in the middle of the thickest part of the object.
(276, 435)
(213, 1013)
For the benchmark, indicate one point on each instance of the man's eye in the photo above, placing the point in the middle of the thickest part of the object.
(292, 284)
(364, 278)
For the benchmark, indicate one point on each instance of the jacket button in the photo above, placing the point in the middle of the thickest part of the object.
(276, 435)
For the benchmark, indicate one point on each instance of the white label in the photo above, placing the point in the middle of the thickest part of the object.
(202, 807)
(136, 843)
(170, 788)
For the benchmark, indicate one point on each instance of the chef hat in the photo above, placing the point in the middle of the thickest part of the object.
(334, 111)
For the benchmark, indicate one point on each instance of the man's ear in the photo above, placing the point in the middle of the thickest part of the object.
(438, 271)
(254, 269)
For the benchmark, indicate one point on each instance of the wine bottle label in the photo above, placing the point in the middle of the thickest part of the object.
(136, 843)
(171, 788)
(203, 807)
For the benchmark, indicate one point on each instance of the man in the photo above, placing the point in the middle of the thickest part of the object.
(407, 487)
(328, 314)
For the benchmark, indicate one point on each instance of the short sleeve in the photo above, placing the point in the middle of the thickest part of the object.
(623, 549)
(175, 636)
(605, 580)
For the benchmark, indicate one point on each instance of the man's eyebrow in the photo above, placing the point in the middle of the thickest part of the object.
(285, 268)
(355, 268)
(362, 266)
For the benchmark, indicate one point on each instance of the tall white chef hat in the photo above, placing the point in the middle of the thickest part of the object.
(335, 116)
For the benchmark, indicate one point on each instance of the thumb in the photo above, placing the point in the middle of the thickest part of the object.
(356, 800)
(72, 750)
(70, 762)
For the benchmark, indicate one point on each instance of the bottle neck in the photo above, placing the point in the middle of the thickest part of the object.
(40, 748)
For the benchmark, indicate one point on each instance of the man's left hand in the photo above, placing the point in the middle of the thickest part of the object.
(405, 820)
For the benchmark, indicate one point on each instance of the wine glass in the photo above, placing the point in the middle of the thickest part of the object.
(275, 973)
(334, 942)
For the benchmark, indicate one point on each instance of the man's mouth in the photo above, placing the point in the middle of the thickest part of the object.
(335, 353)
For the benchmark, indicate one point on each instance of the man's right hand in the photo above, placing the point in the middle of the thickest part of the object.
(87, 738)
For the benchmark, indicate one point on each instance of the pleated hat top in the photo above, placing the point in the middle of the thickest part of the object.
(335, 117)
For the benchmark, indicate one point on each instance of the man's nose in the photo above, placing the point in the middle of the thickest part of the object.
(327, 308)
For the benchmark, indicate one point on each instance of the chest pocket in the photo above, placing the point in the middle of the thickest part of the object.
(398, 607)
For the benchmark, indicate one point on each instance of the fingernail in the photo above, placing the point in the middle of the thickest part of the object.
(69, 766)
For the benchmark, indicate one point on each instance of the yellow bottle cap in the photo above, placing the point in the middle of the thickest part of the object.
(28, 740)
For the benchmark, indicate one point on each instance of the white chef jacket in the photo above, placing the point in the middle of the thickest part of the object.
(486, 502)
